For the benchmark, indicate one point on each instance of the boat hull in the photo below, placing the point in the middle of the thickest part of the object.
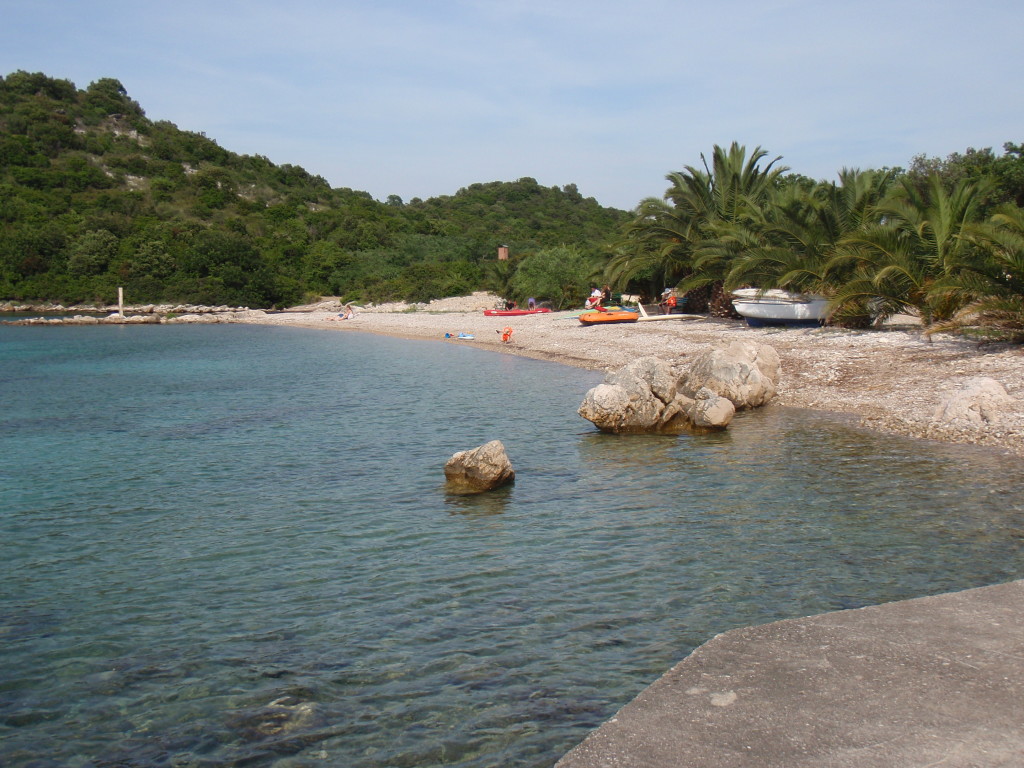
(779, 308)
(602, 318)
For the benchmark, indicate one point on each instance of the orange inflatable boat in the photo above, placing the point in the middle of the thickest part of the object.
(609, 316)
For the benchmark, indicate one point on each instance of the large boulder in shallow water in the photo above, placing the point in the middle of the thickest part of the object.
(645, 395)
(708, 410)
(480, 469)
(642, 397)
(639, 397)
(746, 373)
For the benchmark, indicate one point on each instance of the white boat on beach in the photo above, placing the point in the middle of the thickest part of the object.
(775, 307)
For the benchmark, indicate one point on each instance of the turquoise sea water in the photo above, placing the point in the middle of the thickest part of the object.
(231, 545)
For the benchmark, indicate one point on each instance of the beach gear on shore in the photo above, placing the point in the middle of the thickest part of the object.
(515, 312)
(606, 316)
(644, 317)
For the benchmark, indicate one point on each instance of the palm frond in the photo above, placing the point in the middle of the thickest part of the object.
(990, 318)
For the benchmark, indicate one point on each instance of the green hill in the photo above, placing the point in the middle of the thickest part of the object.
(94, 195)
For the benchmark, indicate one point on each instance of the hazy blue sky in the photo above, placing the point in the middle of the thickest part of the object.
(421, 97)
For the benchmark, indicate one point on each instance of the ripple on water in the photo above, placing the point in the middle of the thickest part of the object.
(230, 545)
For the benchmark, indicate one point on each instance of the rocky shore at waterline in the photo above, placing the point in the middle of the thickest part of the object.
(87, 314)
(894, 379)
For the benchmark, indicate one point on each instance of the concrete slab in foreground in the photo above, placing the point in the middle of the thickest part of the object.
(936, 681)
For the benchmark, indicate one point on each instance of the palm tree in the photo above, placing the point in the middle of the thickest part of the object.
(997, 287)
(691, 235)
(728, 201)
(914, 259)
(800, 228)
(655, 249)
(498, 275)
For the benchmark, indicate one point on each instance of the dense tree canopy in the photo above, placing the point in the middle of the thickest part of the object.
(94, 195)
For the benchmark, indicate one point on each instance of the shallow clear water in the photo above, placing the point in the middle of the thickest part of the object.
(228, 545)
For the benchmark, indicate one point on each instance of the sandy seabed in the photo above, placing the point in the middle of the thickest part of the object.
(891, 379)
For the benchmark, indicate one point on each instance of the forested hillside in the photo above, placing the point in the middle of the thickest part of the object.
(94, 195)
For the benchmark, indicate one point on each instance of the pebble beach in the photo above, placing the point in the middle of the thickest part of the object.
(891, 379)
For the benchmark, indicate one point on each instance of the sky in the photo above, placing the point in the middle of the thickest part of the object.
(419, 98)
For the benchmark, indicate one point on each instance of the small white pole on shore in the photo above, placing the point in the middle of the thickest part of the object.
(120, 301)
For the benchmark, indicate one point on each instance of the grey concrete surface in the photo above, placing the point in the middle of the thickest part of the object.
(936, 681)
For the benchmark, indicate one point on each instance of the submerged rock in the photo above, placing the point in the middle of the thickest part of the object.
(481, 469)
(283, 716)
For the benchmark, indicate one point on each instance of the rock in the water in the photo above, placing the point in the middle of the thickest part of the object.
(709, 410)
(644, 396)
(281, 717)
(480, 469)
(747, 373)
(640, 397)
(980, 402)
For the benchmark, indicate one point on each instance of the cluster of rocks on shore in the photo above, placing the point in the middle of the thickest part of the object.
(651, 395)
(111, 315)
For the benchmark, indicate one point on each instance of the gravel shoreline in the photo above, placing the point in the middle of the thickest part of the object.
(892, 380)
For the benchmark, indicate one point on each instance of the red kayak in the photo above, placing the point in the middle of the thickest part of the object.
(514, 312)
